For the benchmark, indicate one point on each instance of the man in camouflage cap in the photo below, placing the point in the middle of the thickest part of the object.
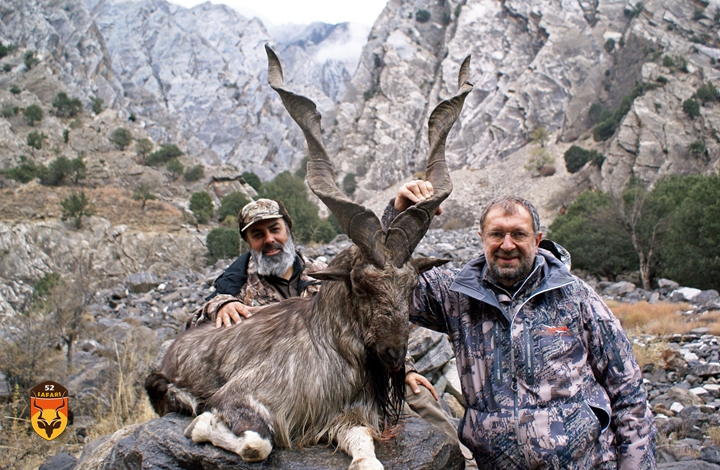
(548, 376)
(272, 270)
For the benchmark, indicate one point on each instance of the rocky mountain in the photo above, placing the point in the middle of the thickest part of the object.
(535, 64)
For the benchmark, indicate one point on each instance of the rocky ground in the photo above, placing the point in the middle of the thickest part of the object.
(684, 386)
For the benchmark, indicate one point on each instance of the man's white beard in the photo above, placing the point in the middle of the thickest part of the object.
(276, 265)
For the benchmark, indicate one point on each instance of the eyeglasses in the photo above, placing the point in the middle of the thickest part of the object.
(517, 236)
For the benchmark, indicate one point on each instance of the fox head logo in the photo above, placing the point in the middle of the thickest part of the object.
(49, 409)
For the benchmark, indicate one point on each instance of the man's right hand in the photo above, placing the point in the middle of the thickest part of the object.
(232, 313)
(413, 192)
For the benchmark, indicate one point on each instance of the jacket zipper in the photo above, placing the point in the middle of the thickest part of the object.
(529, 359)
(498, 355)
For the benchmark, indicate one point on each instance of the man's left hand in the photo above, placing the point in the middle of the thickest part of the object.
(415, 380)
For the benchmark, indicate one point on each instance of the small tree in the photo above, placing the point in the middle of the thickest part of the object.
(58, 170)
(231, 204)
(78, 168)
(35, 140)
(75, 207)
(143, 147)
(539, 136)
(201, 206)
(222, 243)
(33, 114)
(66, 106)
(163, 155)
(121, 137)
(194, 173)
(143, 193)
(30, 60)
(98, 104)
(174, 167)
(691, 108)
(253, 180)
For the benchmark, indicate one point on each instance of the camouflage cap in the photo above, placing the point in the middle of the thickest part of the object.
(262, 209)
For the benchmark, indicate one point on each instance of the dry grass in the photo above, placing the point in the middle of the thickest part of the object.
(36, 202)
(649, 353)
(663, 318)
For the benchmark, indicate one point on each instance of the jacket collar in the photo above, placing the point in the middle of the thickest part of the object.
(469, 280)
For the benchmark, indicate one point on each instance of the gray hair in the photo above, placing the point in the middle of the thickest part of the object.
(509, 205)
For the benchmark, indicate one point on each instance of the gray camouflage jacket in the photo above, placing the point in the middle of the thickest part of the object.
(548, 376)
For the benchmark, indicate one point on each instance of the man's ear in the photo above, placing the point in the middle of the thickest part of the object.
(425, 264)
(332, 274)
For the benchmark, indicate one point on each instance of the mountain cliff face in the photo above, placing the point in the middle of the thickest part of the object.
(201, 73)
(535, 64)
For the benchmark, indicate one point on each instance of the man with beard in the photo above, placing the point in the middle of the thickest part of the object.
(548, 376)
(272, 270)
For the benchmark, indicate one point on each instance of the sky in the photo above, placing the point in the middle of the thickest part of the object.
(303, 11)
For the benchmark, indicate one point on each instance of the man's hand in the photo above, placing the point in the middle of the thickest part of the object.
(413, 192)
(232, 312)
(415, 380)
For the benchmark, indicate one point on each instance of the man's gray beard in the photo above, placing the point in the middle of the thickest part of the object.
(512, 275)
(276, 265)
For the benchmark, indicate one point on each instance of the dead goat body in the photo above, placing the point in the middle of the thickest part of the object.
(329, 368)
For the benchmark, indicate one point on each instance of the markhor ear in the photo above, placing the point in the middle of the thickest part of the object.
(332, 275)
(424, 264)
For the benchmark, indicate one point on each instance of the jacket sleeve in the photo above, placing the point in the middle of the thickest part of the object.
(615, 367)
(209, 311)
(432, 299)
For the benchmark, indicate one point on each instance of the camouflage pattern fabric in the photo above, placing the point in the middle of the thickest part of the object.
(548, 375)
(256, 292)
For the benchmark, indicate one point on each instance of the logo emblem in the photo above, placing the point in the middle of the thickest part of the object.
(49, 409)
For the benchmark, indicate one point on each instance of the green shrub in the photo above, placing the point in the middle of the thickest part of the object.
(44, 286)
(57, 171)
(604, 130)
(422, 16)
(668, 62)
(691, 252)
(121, 137)
(254, 180)
(662, 79)
(25, 172)
(33, 114)
(3, 50)
(541, 162)
(201, 206)
(707, 93)
(30, 60)
(222, 243)
(75, 207)
(609, 45)
(681, 63)
(349, 184)
(446, 18)
(594, 113)
(194, 173)
(8, 111)
(78, 170)
(35, 139)
(696, 148)
(231, 204)
(98, 104)
(576, 158)
(163, 155)
(175, 167)
(15, 90)
(66, 106)
(698, 14)
(7, 67)
(691, 108)
(590, 230)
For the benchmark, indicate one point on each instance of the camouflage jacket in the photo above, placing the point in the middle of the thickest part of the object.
(548, 376)
(254, 290)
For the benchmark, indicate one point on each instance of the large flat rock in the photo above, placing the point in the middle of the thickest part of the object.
(160, 444)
